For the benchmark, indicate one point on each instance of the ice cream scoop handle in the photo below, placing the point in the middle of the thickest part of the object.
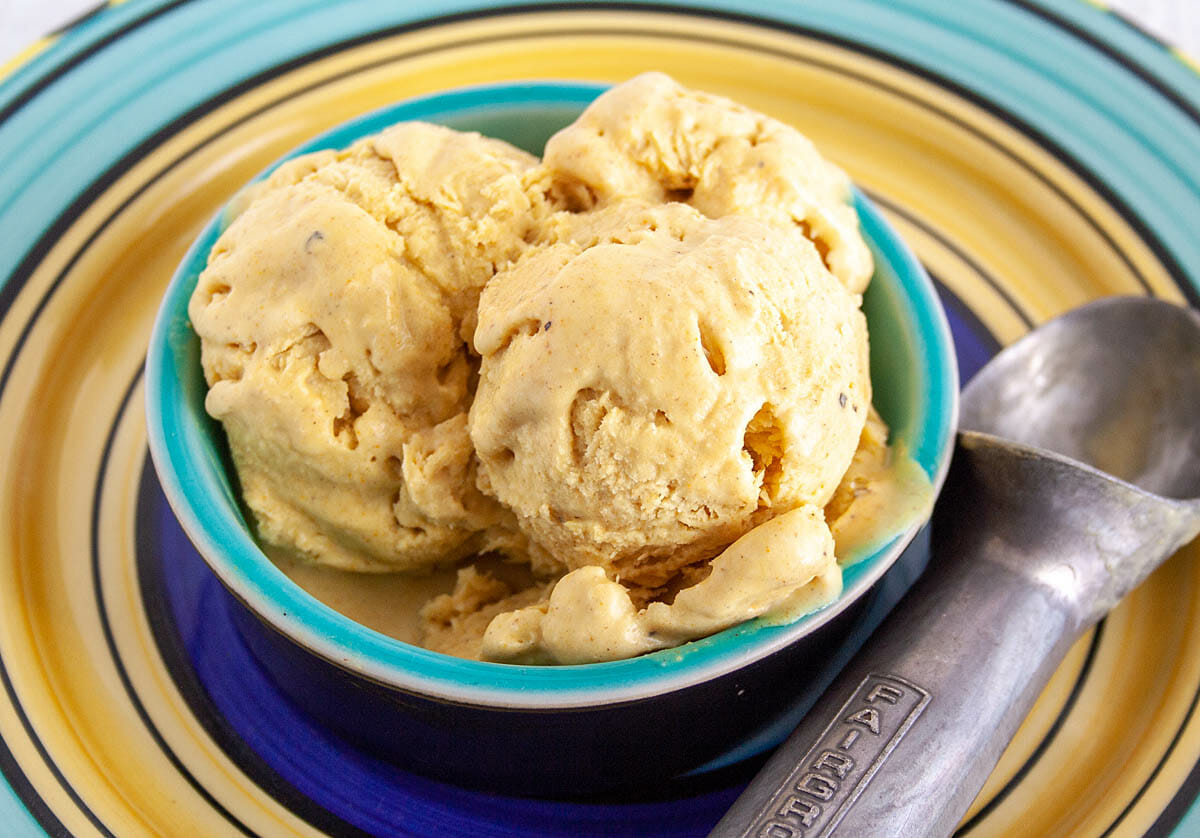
(905, 738)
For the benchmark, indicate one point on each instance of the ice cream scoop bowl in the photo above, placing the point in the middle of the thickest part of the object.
(548, 730)
(1077, 474)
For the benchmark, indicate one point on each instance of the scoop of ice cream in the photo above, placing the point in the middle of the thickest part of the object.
(659, 382)
(455, 623)
(640, 366)
(883, 492)
(652, 139)
(464, 205)
(330, 317)
(786, 564)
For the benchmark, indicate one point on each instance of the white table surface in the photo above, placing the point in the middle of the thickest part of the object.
(23, 21)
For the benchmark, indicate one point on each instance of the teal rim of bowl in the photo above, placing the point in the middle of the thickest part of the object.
(187, 452)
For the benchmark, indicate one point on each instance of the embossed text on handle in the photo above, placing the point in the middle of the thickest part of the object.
(831, 776)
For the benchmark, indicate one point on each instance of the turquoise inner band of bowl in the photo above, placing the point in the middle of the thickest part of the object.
(915, 383)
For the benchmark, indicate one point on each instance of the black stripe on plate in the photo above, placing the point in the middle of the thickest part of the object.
(71, 62)
(945, 241)
(1084, 670)
(1185, 798)
(956, 308)
(63, 222)
(1164, 256)
(21, 275)
(23, 789)
(1109, 51)
(82, 17)
(1038, 137)
(1125, 61)
(1178, 806)
(174, 654)
(110, 640)
(1047, 740)
(1140, 30)
(11, 771)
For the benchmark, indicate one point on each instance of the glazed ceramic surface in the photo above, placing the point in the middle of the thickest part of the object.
(914, 379)
(1035, 154)
(530, 729)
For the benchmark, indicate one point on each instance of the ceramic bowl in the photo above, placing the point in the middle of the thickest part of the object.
(548, 730)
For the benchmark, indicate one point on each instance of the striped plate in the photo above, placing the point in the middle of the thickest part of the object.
(1035, 153)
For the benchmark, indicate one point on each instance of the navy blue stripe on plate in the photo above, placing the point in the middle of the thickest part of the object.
(63, 222)
(175, 657)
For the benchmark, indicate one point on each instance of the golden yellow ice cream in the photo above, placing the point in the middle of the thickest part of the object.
(331, 317)
(653, 140)
(785, 564)
(662, 382)
(638, 367)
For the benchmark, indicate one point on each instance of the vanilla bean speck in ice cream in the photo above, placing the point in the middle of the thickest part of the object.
(577, 408)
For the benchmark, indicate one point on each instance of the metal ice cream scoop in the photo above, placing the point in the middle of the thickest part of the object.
(1077, 473)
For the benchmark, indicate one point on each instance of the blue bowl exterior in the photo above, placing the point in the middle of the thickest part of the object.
(414, 704)
(573, 752)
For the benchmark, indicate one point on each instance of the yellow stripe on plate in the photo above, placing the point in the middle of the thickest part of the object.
(980, 187)
(10, 66)
(1186, 58)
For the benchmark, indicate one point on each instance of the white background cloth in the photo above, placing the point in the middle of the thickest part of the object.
(24, 21)
(1175, 21)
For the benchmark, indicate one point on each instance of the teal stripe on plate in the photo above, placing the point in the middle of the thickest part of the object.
(1126, 37)
(1142, 145)
(14, 817)
(1189, 827)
